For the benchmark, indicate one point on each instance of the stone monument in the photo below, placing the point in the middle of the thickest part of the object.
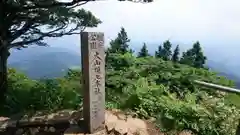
(93, 73)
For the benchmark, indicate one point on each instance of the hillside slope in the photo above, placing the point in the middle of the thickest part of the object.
(48, 62)
(147, 87)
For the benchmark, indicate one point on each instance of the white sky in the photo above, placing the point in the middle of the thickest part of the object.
(212, 22)
(183, 20)
(215, 23)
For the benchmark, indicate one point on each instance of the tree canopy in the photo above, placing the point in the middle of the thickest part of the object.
(121, 43)
(158, 53)
(175, 56)
(194, 56)
(25, 22)
(164, 51)
(144, 51)
(29, 22)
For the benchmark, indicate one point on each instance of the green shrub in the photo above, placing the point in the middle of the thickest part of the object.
(148, 86)
(26, 95)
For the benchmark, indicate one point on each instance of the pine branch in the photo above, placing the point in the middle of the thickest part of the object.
(57, 4)
(42, 35)
(23, 30)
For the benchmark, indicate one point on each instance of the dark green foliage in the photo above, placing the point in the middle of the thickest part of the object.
(194, 56)
(120, 44)
(119, 62)
(164, 51)
(24, 20)
(144, 51)
(187, 58)
(158, 53)
(199, 57)
(151, 87)
(26, 95)
(29, 22)
(175, 56)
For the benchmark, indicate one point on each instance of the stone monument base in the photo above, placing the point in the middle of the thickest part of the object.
(118, 123)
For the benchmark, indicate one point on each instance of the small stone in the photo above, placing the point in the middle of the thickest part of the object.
(185, 132)
(121, 128)
(52, 129)
(102, 132)
(142, 132)
(122, 117)
(152, 119)
(109, 117)
(110, 127)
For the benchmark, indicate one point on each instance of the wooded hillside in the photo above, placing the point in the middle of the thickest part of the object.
(150, 86)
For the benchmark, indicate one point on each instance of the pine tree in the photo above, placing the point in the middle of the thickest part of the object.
(158, 53)
(120, 44)
(175, 56)
(200, 59)
(123, 40)
(187, 58)
(30, 22)
(143, 52)
(114, 46)
(194, 56)
(166, 51)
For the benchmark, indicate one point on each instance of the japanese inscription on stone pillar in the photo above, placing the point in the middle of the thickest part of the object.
(93, 69)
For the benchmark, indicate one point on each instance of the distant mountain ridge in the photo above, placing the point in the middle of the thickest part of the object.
(49, 62)
(224, 71)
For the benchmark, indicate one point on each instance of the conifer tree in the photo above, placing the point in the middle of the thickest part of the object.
(187, 58)
(194, 56)
(158, 53)
(175, 56)
(120, 44)
(166, 51)
(144, 51)
(200, 59)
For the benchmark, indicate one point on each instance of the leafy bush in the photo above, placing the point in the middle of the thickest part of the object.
(156, 88)
(151, 87)
(25, 94)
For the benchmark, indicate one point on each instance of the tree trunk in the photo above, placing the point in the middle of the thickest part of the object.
(238, 129)
(3, 71)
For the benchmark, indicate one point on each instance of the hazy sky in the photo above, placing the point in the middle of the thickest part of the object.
(215, 23)
(182, 20)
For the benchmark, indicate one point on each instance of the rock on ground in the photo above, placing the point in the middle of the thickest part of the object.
(117, 123)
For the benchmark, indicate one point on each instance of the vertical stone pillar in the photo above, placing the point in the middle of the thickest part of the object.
(93, 69)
